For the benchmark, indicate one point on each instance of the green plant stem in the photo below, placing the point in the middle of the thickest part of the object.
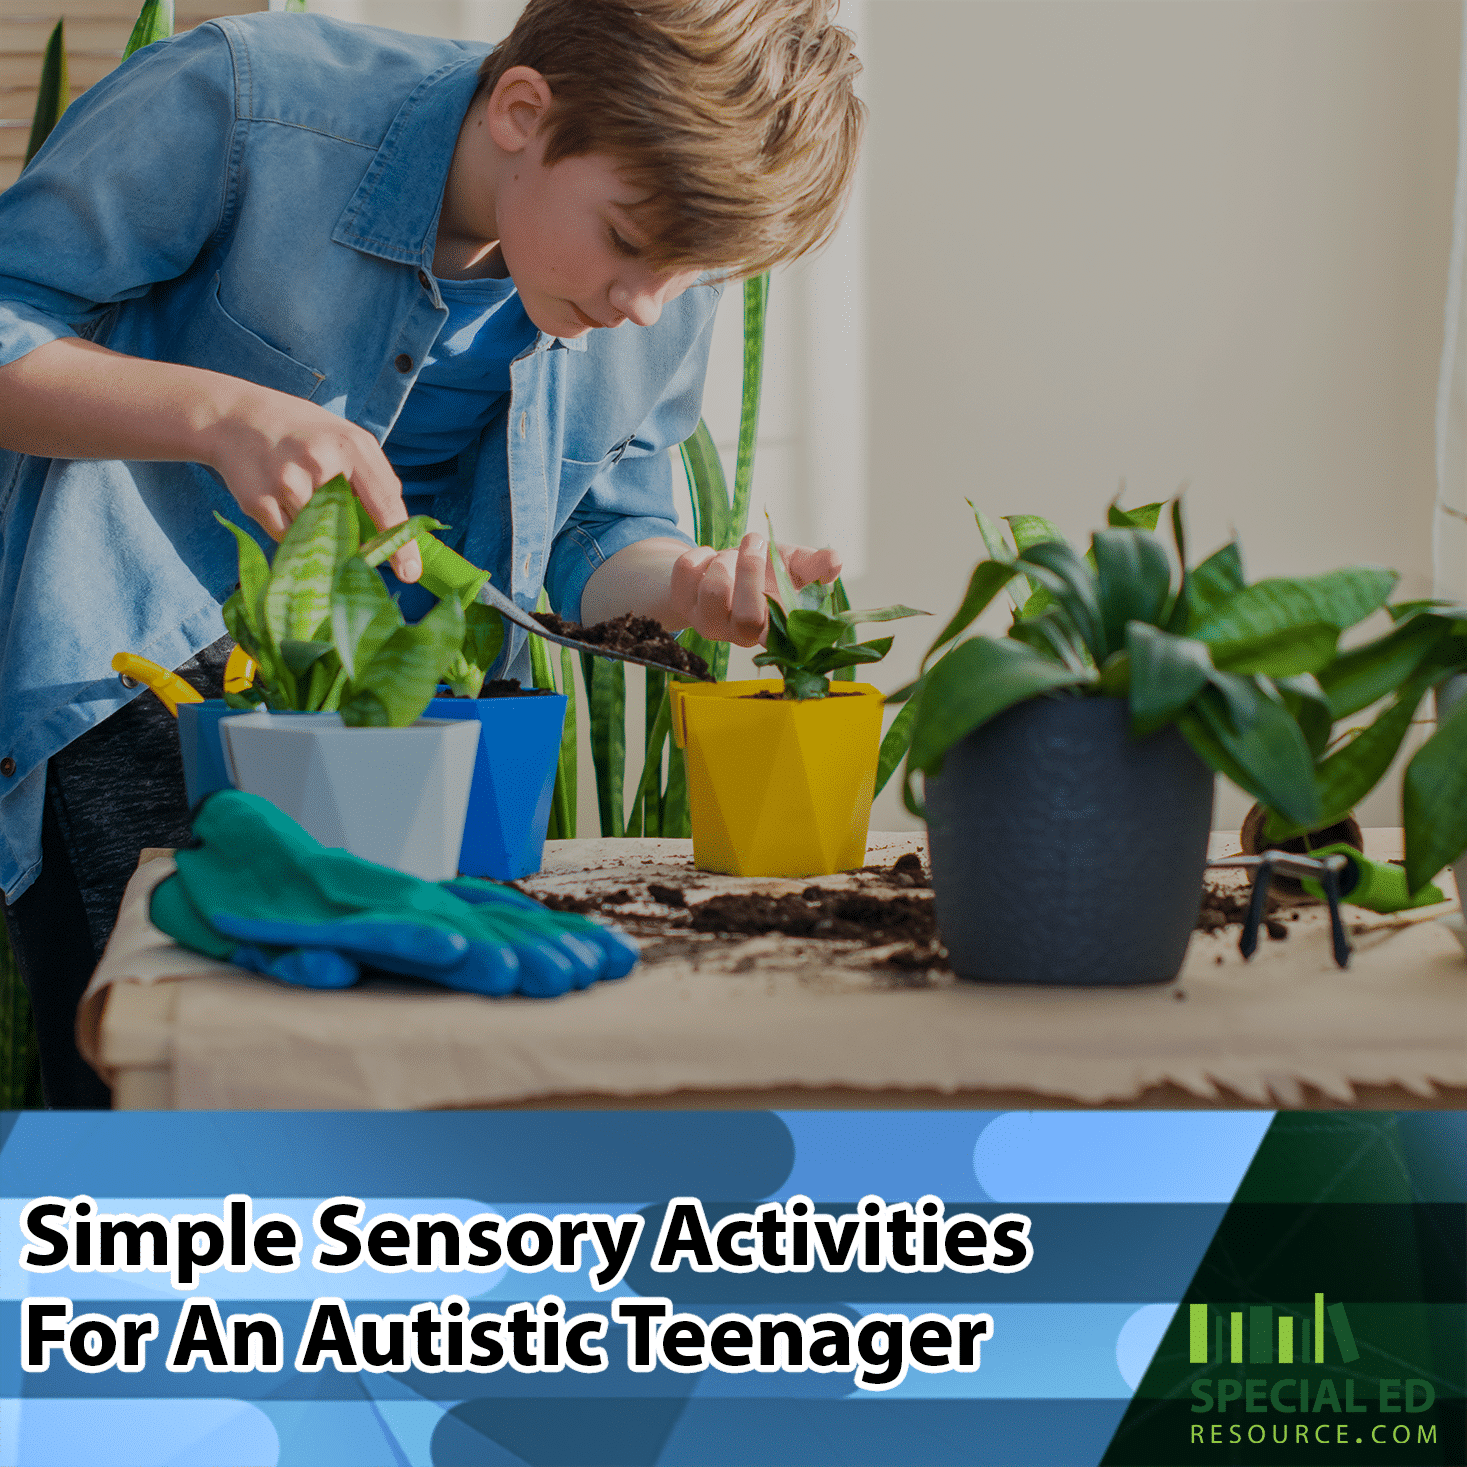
(756, 305)
(606, 697)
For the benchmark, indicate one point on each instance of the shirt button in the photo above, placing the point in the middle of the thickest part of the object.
(7, 766)
(423, 279)
(404, 362)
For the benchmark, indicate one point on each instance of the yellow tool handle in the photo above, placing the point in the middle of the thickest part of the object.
(169, 687)
(239, 671)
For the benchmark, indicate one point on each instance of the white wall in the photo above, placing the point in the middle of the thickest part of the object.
(1158, 242)
(1150, 240)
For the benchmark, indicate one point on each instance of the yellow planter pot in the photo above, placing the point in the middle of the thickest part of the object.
(778, 788)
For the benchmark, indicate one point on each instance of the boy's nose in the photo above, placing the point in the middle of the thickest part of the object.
(641, 304)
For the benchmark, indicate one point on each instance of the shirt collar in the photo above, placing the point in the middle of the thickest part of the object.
(394, 212)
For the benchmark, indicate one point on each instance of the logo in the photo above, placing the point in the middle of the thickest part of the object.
(1265, 1345)
(1277, 1400)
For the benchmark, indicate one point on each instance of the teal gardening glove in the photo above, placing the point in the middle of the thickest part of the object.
(257, 891)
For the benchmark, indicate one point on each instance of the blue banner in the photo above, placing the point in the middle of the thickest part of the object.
(742, 1288)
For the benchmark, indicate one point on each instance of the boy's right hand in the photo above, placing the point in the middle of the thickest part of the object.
(273, 451)
(71, 398)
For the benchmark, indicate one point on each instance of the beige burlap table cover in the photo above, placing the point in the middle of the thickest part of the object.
(776, 1015)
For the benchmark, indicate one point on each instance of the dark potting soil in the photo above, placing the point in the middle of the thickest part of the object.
(849, 915)
(505, 687)
(639, 636)
(1226, 906)
(779, 697)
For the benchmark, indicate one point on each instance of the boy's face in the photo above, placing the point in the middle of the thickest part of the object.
(569, 235)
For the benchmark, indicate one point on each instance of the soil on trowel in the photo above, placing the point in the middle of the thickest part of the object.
(638, 636)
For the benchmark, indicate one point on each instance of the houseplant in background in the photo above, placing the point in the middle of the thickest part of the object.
(1069, 763)
(780, 776)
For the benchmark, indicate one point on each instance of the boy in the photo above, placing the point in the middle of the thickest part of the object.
(278, 248)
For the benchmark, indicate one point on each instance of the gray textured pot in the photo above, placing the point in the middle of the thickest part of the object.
(1064, 851)
(1452, 692)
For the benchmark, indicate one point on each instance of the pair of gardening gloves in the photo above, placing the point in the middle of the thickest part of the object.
(255, 890)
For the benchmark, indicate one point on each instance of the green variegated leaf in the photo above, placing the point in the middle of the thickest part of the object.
(834, 657)
(1339, 599)
(483, 635)
(1144, 517)
(988, 579)
(362, 708)
(383, 546)
(1305, 699)
(1365, 674)
(1268, 758)
(1434, 800)
(1133, 582)
(405, 671)
(1033, 529)
(1208, 585)
(1290, 652)
(1073, 586)
(301, 657)
(809, 631)
(712, 510)
(53, 93)
(879, 613)
(361, 610)
(297, 603)
(1347, 775)
(327, 680)
(1167, 673)
(154, 23)
(895, 745)
(1051, 633)
(254, 576)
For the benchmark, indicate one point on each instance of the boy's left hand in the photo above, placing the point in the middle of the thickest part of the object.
(720, 593)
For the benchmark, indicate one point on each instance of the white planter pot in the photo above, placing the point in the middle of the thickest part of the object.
(397, 796)
(1452, 692)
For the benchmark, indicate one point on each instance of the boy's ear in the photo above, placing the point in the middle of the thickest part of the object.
(518, 105)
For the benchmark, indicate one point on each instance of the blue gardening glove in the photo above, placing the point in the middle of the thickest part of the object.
(257, 891)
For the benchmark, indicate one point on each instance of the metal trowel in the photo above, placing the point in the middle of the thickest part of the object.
(489, 596)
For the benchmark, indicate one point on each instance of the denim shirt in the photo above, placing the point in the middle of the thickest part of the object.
(260, 197)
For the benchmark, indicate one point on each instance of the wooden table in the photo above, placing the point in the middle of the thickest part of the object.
(774, 1021)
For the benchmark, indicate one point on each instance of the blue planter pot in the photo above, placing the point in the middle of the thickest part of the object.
(204, 767)
(514, 778)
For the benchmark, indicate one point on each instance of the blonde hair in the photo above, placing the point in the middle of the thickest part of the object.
(738, 117)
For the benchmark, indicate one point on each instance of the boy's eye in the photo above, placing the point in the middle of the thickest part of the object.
(620, 245)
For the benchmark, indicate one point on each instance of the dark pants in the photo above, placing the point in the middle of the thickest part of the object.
(109, 794)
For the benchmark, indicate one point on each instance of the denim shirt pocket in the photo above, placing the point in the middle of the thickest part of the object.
(577, 474)
(213, 339)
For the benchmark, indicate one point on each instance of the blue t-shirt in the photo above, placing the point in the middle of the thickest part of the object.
(463, 383)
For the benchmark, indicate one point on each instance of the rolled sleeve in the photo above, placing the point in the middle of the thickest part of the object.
(127, 190)
(596, 532)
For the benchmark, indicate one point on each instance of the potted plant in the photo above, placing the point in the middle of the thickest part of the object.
(345, 681)
(1424, 652)
(780, 775)
(1069, 763)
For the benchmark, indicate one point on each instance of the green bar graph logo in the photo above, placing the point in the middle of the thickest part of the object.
(1268, 1344)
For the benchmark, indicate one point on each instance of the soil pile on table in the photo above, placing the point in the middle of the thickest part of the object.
(1228, 906)
(637, 636)
(848, 915)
